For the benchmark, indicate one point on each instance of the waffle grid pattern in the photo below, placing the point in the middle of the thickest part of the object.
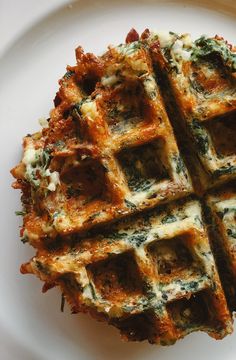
(110, 205)
(162, 268)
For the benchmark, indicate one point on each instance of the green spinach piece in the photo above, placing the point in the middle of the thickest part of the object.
(200, 136)
(205, 47)
(169, 219)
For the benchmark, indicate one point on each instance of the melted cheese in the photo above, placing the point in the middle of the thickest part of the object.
(139, 65)
(31, 155)
(179, 52)
(54, 179)
(109, 80)
(187, 40)
(89, 109)
(165, 38)
(150, 85)
(44, 123)
(32, 159)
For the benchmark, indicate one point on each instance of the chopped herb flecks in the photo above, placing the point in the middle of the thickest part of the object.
(200, 136)
(20, 213)
(168, 219)
(205, 47)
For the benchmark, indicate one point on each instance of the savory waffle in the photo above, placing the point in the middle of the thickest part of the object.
(156, 268)
(222, 206)
(201, 77)
(109, 136)
(117, 221)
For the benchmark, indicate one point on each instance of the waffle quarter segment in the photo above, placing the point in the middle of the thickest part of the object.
(222, 204)
(112, 152)
(152, 275)
(201, 77)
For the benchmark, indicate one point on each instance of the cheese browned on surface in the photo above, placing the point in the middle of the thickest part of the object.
(129, 191)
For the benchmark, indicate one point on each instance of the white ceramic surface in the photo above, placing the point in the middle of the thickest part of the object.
(31, 324)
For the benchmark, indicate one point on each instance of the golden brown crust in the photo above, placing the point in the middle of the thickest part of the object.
(109, 203)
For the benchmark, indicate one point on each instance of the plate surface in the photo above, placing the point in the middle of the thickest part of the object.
(31, 324)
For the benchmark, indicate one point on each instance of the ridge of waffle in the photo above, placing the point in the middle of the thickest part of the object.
(128, 191)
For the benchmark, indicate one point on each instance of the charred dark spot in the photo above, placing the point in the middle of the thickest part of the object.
(57, 100)
(132, 36)
(145, 34)
(89, 83)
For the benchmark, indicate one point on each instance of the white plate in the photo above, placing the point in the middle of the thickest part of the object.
(31, 324)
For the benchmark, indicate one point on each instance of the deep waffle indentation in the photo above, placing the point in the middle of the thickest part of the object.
(143, 166)
(171, 255)
(117, 277)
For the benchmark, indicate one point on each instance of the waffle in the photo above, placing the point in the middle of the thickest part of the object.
(221, 203)
(201, 78)
(120, 189)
